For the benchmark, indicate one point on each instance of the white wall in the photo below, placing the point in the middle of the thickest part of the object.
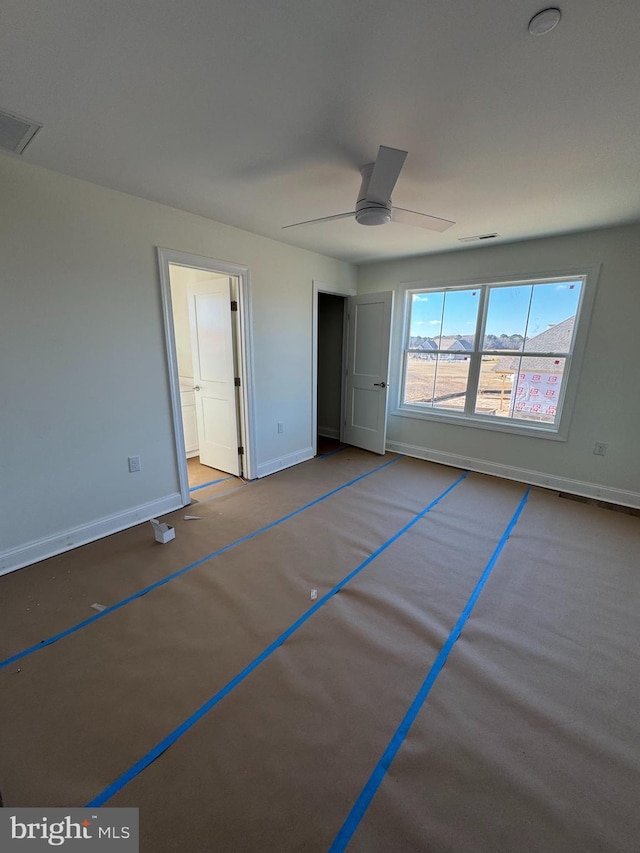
(83, 376)
(608, 402)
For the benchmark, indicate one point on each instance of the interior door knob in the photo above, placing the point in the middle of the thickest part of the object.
(380, 384)
(196, 387)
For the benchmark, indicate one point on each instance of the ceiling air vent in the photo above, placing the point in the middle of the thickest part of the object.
(478, 237)
(16, 132)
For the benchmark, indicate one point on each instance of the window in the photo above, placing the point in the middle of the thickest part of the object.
(496, 354)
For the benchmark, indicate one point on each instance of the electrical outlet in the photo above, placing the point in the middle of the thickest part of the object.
(280, 426)
(134, 464)
(600, 448)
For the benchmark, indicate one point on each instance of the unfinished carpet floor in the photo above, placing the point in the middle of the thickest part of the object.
(362, 653)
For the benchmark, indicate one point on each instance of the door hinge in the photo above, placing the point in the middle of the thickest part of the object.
(241, 451)
(234, 305)
(236, 381)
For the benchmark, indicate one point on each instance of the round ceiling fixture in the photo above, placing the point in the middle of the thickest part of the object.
(373, 216)
(544, 22)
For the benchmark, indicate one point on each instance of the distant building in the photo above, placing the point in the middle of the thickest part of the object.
(459, 347)
(537, 381)
(426, 349)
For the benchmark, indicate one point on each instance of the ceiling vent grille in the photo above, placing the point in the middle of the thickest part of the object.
(478, 237)
(16, 132)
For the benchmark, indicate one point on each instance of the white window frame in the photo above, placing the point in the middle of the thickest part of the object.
(558, 431)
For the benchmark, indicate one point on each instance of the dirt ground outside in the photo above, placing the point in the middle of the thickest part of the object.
(449, 391)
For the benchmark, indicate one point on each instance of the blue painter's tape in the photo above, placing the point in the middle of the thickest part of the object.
(361, 805)
(161, 747)
(56, 637)
(212, 483)
(331, 452)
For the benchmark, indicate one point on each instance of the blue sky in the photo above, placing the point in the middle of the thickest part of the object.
(512, 310)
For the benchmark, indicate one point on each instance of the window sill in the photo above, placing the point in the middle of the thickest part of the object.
(478, 422)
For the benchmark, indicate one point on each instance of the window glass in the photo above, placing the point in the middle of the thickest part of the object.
(495, 385)
(452, 377)
(420, 376)
(511, 383)
(460, 316)
(426, 317)
(507, 316)
(553, 307)
(536, 389)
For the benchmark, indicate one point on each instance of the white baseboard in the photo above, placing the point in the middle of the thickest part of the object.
(522, 475)
(286, 461)
(33, 552)
(329, 432)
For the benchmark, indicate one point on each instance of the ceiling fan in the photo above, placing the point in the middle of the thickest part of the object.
(373, 206)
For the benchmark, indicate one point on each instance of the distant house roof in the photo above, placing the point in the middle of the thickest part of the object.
(460, 346)
(556, 338)
(428, 345)
(419, 343)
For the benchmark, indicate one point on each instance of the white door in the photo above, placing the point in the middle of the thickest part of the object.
(214, 374)
(369, 334)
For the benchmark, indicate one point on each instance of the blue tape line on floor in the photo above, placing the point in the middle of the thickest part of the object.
(161, 747)
(212, 483)
(54, 639)
(367, 794)
(331, 452)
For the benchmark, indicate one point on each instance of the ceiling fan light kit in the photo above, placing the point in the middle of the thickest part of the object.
(373, 206)
(373, 216)
(544, 21)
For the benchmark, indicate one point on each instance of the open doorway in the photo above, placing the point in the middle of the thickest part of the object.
(362, 352)
(330, 304)
(205, 306)
(330, 390)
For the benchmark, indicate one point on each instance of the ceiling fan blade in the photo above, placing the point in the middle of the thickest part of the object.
(384, 176)
(420, 220)
(322, 219)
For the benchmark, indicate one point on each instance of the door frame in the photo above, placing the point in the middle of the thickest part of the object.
(244, 357)
(335, 290)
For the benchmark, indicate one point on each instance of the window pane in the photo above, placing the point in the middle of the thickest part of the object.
(507, 317)
(438, 382)
(552, 316)
(452, 375)
(426, 319)
(526, 348)
(537, 387)
(496, 383)
(459, 323)
(420, 377)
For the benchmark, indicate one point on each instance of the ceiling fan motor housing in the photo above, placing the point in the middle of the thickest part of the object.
(377, 215)
(370, 212)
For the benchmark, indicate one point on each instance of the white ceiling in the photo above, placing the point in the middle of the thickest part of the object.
(259, 113)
